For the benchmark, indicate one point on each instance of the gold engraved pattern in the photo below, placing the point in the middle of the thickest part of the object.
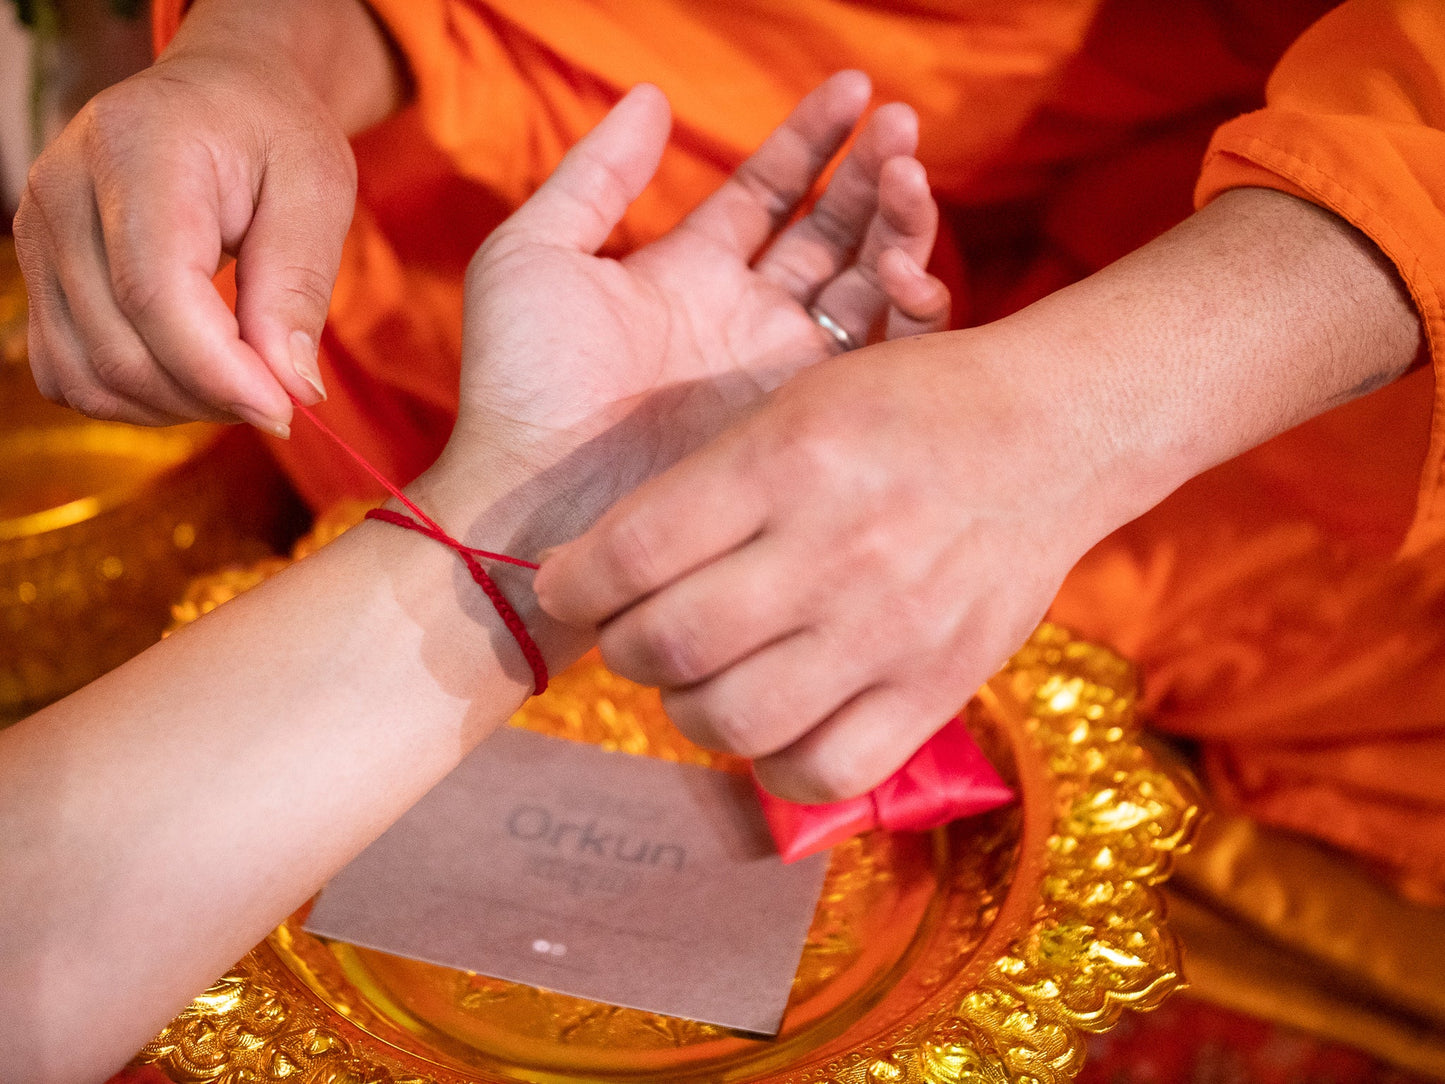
(244, 1030)
(1043, 923)
(1097, 942)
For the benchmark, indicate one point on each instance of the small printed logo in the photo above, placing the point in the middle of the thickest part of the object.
(549, 948)
(535, 824)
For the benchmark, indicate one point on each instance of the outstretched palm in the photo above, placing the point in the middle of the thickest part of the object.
(665, 347)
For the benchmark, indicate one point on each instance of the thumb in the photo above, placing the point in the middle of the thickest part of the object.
(287, 265)
(592, 187)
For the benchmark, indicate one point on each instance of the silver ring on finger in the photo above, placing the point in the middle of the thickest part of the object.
(836, 331)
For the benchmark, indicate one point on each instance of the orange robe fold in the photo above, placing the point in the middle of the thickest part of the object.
(1286, 608)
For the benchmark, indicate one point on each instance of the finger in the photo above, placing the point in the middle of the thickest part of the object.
(105, 367)
(162, 251)
(705, 621)
(907, 220)
(859, 746)
(659, 532)
(588, 193)
(769, 700)
(82, 352)
(919, 303)
(763, 193)
(821, 244)
(42, 365)
(287, 265)
(64, 377)
(45, 299)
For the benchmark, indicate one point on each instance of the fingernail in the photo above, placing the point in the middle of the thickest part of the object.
(260, 421)
(303, 360)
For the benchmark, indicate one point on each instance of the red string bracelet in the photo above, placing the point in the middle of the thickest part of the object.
(424, 524)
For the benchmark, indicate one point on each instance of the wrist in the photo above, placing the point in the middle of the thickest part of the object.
(335, 48)
(494, 503)
(1256, 314)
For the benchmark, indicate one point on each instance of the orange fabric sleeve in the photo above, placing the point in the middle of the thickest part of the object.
(504, 87)
(1355, 122)
(165, 21)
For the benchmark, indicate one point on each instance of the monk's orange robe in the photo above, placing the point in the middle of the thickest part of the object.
(1287, 608)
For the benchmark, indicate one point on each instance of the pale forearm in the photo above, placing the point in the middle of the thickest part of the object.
(1256, 314)
(337, 46)
(159, 822)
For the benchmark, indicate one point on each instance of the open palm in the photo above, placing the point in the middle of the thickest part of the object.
(657, 352)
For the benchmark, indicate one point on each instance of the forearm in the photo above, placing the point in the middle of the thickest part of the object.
(1256, 314)
(337, 46)
(158, 823)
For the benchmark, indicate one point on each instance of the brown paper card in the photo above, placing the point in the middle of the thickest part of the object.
(624, 879)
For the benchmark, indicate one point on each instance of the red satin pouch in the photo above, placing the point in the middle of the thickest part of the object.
(947, 778)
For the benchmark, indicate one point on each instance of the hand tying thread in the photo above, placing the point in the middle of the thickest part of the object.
(945, 779)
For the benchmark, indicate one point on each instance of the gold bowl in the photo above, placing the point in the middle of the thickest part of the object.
(983, 953)
(102, 525)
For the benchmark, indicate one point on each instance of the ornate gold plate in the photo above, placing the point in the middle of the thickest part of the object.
(980, 953)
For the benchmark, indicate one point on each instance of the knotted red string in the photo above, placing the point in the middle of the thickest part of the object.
(515, 625)
(424, 524)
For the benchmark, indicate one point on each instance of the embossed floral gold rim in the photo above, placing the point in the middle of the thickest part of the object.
(1056, 931)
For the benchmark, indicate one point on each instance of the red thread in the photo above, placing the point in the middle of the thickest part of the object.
(424, 524)
(509, 616)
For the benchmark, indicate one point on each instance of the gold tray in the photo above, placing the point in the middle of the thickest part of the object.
(980, 953)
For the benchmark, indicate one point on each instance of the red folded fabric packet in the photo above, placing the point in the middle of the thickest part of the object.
(947, 778)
